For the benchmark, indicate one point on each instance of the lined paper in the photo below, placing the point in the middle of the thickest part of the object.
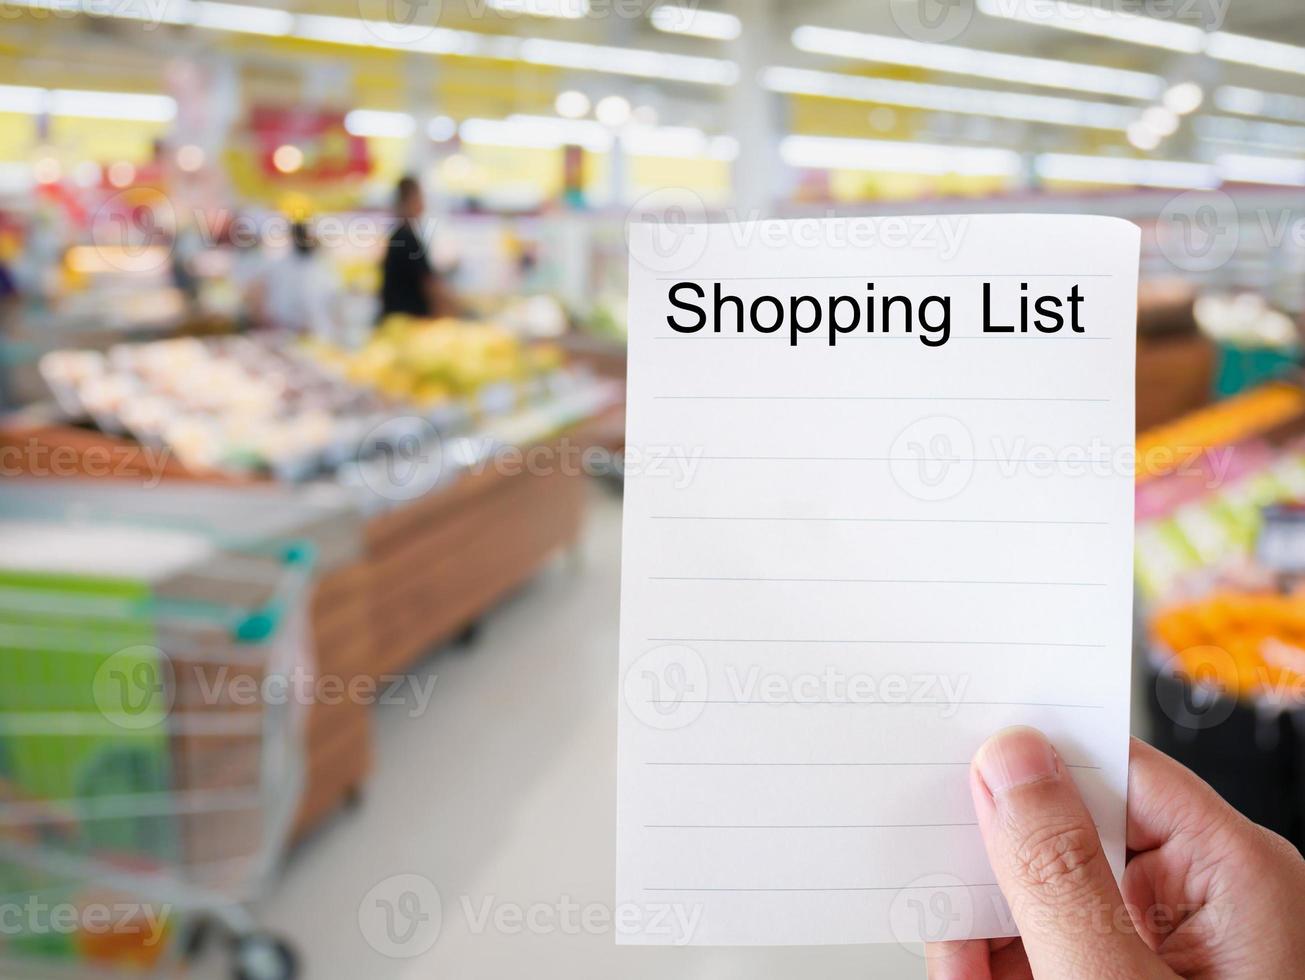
(845, 566)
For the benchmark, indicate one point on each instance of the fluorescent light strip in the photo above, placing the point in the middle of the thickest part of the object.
(672, 18)
(948, 98)
(375, 122)
(561, 9)
(242, 18)
(22, 99)
(357, 32)
(629, 61)
(1099, 22)
(1226, 129)
(983, 64)
(1151, 31)
(128, 106)
(1130, 171)
(1253, 102)
(1261, 170)
(553, 132)
(113, 105)
(835, 153)
(1256, 52)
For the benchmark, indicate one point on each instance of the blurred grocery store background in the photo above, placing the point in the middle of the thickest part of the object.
(311, 538)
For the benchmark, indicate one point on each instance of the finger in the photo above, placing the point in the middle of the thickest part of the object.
(963, 959)
(1048, 860)
(1167, 801)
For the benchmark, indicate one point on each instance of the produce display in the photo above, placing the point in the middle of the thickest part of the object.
(430, 363)
(1248, 645)
(234, 403)
(274, 403)
(1163, 449)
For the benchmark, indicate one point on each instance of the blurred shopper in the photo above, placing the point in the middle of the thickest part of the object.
(409, 283)
(299, 292)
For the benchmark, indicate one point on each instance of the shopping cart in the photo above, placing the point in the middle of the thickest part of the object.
(151, 743)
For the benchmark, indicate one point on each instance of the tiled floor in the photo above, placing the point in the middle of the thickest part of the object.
(501, 796)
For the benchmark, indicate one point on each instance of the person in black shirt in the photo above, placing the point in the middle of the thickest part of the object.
(409, 284)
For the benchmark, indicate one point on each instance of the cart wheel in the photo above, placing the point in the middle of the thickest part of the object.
(259, 956)
(196, 938)
(469, 638)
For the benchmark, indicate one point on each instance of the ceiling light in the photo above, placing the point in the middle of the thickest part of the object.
(1051, 109)
(712, 24)
(1250, 132)
(122, 174)
(563, 9)
(1143, 136)
(536, 132)
(1160, 120)
(613, 111)
(374, 122)
(190, 158)
(572, 104)
(1152, 31)
(47, 170)
(288, 159)
(22, 99)
(1129, 171)
(834, 153)
(1256, 52)
(1262, 170)
(242, 18)
(629, 61)
(441, 128)
(1184, 98)
(1252, 102)
(548, 132)
(112, 105)
(359, 32)
(1100, 22)
(984, 64)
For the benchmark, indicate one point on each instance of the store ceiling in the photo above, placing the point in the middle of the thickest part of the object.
(126, 52)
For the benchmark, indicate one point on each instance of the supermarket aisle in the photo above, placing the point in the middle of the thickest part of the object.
(502, 795)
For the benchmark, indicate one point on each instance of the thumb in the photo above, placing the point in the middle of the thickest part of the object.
(1047, 856)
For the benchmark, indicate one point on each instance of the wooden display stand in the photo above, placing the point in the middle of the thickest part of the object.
(429, 570)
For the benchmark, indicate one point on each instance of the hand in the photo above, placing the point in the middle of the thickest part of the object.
(1206, 893)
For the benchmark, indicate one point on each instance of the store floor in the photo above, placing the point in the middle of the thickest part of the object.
(502, 794)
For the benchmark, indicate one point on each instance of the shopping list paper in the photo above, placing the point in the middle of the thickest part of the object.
(879, 505)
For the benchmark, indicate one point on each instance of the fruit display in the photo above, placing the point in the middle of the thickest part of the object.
(431, 363)
(233, 403)
(1248, 645)
(1193, 524)
(299, 408)
(1163, 449)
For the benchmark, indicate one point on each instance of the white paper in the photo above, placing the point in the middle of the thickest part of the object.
(846, 566)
